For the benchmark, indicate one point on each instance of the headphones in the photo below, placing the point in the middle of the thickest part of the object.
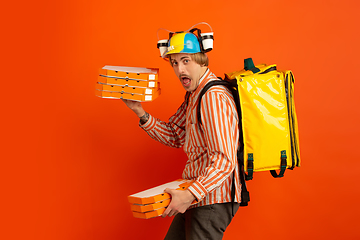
(205, 39)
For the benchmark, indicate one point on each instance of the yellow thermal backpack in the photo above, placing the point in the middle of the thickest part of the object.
(269, 139)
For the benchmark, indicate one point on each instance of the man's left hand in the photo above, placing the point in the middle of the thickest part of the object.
(180, 201)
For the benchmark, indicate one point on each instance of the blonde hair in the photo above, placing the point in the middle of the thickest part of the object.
(200, 58)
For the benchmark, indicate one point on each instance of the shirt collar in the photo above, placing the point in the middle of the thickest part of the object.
(203, 77)
(202, 82)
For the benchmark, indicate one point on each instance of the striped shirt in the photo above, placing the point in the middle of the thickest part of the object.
(210, 147)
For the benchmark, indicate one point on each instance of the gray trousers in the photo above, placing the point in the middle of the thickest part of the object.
(202, 223)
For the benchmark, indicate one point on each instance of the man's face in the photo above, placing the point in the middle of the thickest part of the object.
(187, 70)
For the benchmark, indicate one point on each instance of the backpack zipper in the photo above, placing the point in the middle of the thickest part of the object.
(264, 72)
(293, 125)
(289, 97)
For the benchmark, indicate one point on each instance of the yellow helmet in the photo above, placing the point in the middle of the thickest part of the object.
(183, 43)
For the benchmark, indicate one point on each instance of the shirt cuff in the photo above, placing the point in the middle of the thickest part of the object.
(150, 124)
(198, 190)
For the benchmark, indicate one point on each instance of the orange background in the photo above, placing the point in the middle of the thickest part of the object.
(69, 159)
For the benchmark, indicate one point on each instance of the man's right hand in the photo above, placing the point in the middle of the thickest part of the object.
(180, 201)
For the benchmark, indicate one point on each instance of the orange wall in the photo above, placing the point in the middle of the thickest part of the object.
(70, 159)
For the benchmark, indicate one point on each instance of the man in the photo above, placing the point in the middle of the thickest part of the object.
(210, 146)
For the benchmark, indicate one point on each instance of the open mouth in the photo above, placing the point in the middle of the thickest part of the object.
(185, 81)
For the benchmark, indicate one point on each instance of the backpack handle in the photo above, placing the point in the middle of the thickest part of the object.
(249, 65)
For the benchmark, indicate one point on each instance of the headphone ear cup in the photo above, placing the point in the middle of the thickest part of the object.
(207, 41)
(162, 45)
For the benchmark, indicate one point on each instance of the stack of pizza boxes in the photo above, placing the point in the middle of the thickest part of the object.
(132, 83)
(153, 202)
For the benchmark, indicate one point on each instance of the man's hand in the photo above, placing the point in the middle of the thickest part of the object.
(180, 201)
(136, 107)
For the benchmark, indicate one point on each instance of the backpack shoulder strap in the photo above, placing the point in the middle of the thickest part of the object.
(204, 90)
(245, 197)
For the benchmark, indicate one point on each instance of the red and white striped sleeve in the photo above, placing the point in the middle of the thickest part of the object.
(170, 133)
